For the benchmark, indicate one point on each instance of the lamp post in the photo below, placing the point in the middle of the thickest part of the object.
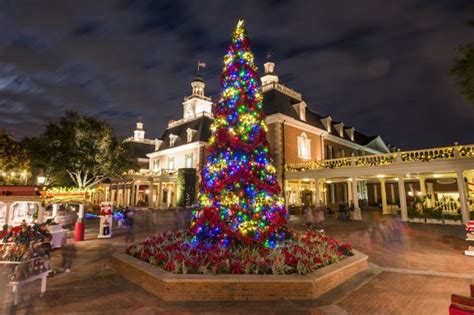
(41, 179)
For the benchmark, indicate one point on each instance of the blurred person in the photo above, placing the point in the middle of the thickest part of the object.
(68, 253)
(320, 216)
(308, 216)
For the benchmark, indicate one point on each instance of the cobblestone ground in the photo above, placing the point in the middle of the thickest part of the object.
(413, 270)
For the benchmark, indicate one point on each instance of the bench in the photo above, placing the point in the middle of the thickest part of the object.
(17, 284)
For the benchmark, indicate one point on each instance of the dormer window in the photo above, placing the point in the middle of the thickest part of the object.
(350, 133)
(304, 146)
(301, 110)
(190, 134)
(157, 144)
(327, 123)
(340, 129)
(173, 139)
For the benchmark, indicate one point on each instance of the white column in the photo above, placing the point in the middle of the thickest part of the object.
(160, 194)
(376, 194)
(299, 195)
(316, 191)
(355, 200)
(8, 211)
(430, 191)
(422, 187)
(349, 191)
(137, 189)
(333, 193)
(403, 197)
(462, 195)
(40, 213)
(80, 217)
(55, 210)
(385, 209)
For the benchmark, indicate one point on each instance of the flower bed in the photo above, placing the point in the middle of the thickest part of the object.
(302, 254)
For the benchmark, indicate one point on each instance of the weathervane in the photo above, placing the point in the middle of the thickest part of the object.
(200, 65)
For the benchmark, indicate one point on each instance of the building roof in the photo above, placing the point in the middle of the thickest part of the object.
(140, 149)
(201, 125)
(275, 101)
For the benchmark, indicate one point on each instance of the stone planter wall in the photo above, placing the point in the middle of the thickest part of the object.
(174, 287)
(452, 222)
(433, 221)
(417, 220)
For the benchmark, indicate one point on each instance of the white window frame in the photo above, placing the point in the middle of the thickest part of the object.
(171, 161)
(173, 139)
(156, 165)
(188, 160)
(304, 146)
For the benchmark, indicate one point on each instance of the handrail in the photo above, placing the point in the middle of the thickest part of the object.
(423, 155)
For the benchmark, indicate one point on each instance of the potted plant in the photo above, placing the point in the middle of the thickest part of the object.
(415, 215)
(433, 215)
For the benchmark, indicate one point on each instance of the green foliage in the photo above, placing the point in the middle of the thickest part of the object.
(451, 216)
(413, 213)
(13, 158)
(82, 147)
(433, 213)
(462, 70)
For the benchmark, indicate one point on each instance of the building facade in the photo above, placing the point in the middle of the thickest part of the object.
(299, 139)
(296, 134)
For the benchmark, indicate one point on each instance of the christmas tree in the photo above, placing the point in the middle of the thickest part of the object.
(239, 200)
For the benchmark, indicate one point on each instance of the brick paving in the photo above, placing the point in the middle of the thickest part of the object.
(93, 287)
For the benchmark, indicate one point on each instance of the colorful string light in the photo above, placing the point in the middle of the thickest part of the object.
(239, 200)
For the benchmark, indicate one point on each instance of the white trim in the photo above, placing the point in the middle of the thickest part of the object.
(180, 148)
(290, 121)
(307, 146)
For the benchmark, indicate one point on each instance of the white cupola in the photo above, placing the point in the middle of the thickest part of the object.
(270, 75)
(197, 103)
(139, 133)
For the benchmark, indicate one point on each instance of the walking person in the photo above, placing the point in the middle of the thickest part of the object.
(320, 216)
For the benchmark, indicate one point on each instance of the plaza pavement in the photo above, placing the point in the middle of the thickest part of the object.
(412, 270)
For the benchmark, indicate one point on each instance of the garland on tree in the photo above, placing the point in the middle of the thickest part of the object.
(239, 200)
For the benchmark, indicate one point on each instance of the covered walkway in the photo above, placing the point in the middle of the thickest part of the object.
(440, 178)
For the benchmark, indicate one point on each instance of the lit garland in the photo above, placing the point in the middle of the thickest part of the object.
(239, 193)
(386, 159)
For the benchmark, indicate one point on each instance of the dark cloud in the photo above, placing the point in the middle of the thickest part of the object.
(376, 65)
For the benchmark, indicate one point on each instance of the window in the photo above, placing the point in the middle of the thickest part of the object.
(303, 113)
(173, 139)
(342, 153)
(156, 165)
(304, 146)
(171, 163)
(190, 133)
(329, 151)
(188, 160)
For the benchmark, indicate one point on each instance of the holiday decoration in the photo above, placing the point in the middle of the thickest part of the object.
(239, 199)
(470, 238)
(105, 220)
(307, 252)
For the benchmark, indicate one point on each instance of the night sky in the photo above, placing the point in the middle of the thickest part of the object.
(380, 66)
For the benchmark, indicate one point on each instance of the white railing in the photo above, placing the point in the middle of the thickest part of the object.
(284, 89)
(184, 120)
(424, 155)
